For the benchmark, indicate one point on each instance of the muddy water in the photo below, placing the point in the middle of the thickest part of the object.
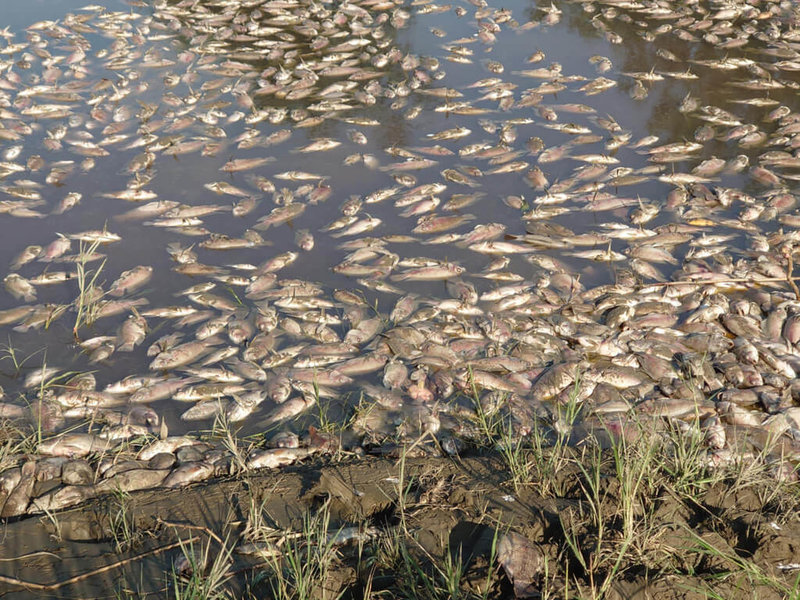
(570, 42)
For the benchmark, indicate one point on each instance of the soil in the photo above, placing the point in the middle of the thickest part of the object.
(461, 506)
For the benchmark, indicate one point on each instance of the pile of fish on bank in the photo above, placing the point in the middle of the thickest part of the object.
(528, 250)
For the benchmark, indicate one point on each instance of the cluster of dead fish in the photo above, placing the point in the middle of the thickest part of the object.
(64, 477)
(673, 306)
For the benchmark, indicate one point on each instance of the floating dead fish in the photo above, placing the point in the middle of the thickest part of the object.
(244, 164)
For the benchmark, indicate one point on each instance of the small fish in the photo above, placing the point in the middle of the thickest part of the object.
(359, 226)
(131, 280)
(26, 256)
(450, 134)
(434, 273)
(274, 458)
(19, 287)
(68, 202)
(102, 237)
(132, 333)
(319, 145)
(280, 215)
(182, 354)
(56, 248)
(244, 164)
(223, 187)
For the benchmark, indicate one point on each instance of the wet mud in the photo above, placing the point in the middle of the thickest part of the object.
(453, 509)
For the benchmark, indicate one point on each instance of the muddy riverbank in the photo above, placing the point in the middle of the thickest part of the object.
(428, 524)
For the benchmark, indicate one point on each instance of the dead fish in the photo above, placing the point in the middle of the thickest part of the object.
(56, 248)
(274, 458)
(245, 164)
(289, 409)
(522, 562)
(280, 215)
(430, 273)
(187, 473)
(131, 280)
(132, 333)
(19, 287)
(26, 256)
(182, 354)
(319, 145)
(75, 445)
(18, 499)
(160, 389)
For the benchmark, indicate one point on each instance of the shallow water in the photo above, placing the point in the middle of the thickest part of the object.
(570, 42)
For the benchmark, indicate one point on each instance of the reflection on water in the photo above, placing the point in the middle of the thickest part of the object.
(371, 204)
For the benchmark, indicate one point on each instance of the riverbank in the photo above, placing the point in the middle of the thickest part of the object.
(646, 518)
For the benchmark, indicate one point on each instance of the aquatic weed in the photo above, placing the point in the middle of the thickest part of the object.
(87, 302)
